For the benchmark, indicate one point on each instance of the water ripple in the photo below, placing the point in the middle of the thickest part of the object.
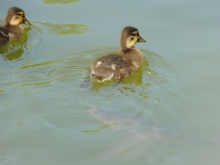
(59, 29)
(59, 1)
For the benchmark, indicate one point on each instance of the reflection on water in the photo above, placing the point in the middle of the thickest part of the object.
(146, 81)
(160, 63)
(135, 78)
(14, 49)
(59, 1)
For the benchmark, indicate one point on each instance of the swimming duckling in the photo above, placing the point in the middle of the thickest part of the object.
(122, 63)
(12, 30)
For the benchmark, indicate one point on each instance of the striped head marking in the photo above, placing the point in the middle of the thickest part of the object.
(133, 38)
(18, 17)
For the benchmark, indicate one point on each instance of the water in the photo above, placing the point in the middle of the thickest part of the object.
(118, 121)
(44, 114)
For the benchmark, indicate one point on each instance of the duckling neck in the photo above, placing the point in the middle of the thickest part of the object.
(124, 47)
(15, 32)
(133, 55)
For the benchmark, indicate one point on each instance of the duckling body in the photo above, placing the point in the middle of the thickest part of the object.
(11, 29)
(122, 63)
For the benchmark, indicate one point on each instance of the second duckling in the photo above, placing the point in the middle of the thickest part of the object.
(12, 30)
(122, 63)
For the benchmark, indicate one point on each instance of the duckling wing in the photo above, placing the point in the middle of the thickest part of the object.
(4, 38)
(108, 60)
(118, 64)
(111, 66)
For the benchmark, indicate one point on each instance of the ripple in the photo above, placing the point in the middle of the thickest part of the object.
(154, 68)
(59, 1)
(157, 88)
(68, 65)
(156, 77)
(153, 93)
(158, 85)
(59, 29)
(35, 43)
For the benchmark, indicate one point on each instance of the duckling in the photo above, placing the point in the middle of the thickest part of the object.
(122, 63)
(12, 30)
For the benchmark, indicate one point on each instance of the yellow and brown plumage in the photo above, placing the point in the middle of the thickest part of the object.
(11, 29)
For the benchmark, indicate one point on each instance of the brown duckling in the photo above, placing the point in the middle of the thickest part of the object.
(122, 63)
(12, 30)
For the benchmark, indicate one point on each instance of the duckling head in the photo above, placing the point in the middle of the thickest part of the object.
(129, 36)
(16, 16)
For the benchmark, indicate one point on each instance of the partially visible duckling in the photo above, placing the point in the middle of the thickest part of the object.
(12, 30)
(122, 63)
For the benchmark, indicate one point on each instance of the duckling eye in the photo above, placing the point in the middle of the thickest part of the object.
(16, 17)
(132, 38)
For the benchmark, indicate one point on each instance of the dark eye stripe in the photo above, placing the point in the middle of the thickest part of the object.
(135, 34)
(21, 15)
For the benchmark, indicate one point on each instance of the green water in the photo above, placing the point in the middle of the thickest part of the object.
(45, 114)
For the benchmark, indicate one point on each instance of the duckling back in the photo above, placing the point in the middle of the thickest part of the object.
(111, 66)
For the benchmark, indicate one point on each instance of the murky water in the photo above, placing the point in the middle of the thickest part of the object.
(45, 116)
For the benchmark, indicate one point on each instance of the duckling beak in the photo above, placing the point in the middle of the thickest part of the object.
(141, 39)
(25, 21)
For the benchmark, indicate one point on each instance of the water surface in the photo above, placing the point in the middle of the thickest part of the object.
(44, 114)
